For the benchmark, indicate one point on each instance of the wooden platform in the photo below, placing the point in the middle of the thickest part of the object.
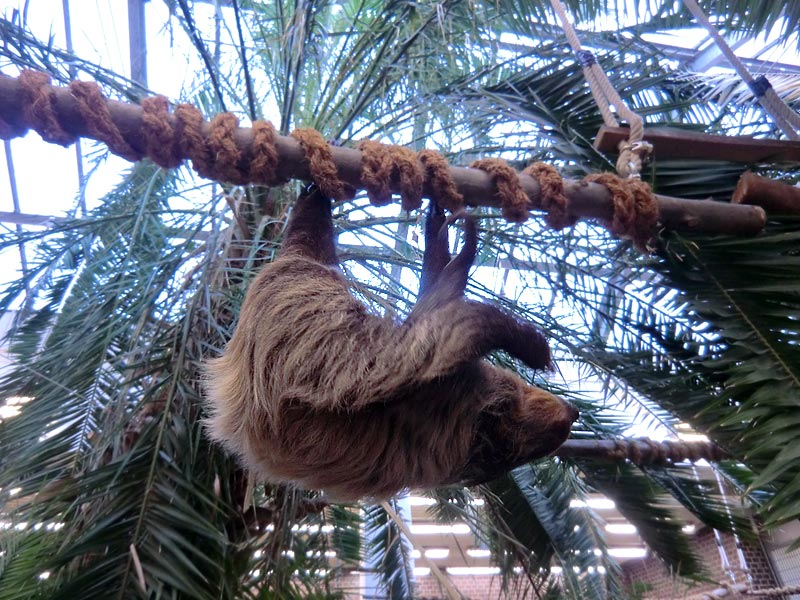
(678, 143)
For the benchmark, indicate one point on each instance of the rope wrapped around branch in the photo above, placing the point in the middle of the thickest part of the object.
(642, 451)
(224, 151)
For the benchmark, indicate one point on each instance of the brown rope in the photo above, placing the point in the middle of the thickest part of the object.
(222, 147)
(39, 108)
(264, 162)
(158, 134)
(409, 175)
(635, 208)
(94, 110)
(376, 171)
(383, 165)
(513, 199)
(554, 202)
(442, 185)
(320, 163)
(190, 138)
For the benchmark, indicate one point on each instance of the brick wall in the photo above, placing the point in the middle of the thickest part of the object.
(474, 587)
(351, 585)
(650, 572)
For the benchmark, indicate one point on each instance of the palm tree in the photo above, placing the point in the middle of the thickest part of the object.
(110, 486)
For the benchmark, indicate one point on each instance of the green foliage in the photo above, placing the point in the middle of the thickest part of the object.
(120, 492)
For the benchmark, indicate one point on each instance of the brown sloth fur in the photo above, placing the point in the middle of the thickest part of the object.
(315, 390)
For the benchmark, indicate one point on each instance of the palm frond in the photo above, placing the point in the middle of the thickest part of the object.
(538, 526)
(388, 552)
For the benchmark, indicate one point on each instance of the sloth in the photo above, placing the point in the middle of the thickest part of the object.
(316, 391)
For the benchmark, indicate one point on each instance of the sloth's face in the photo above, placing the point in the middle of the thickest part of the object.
(517, 428)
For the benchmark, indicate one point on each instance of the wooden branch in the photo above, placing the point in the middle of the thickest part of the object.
(773, 196)
(692, 145)
(641, 451)
(586, 200)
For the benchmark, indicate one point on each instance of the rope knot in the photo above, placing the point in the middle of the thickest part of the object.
(632, 156)
(635, 208)
(551, 190)
(759, 86)
(513, 199)
(320, 163)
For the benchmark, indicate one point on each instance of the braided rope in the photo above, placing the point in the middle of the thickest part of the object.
(633, 152)
(513, 199)
(554, 202)
(635, 209)
(39, 108)
(320, 162)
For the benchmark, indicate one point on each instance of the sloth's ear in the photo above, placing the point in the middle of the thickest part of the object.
(309, 232)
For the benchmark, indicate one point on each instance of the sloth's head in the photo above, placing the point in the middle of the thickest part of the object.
(520, 423)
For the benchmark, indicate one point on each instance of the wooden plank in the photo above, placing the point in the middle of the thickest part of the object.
(678, 143)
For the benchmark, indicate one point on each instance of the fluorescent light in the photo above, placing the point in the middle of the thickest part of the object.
(473, 570)
(621, 528)
(6, 412)
(432, 553)
(479, 553)
(556, 570)
(425, 501)
(596, 503)
(17, 400)
(421, 571)
(628, 552)
(430, 529)
(421, 501)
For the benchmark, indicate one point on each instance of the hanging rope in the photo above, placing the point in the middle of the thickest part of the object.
(784, 117)
(634, 152)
